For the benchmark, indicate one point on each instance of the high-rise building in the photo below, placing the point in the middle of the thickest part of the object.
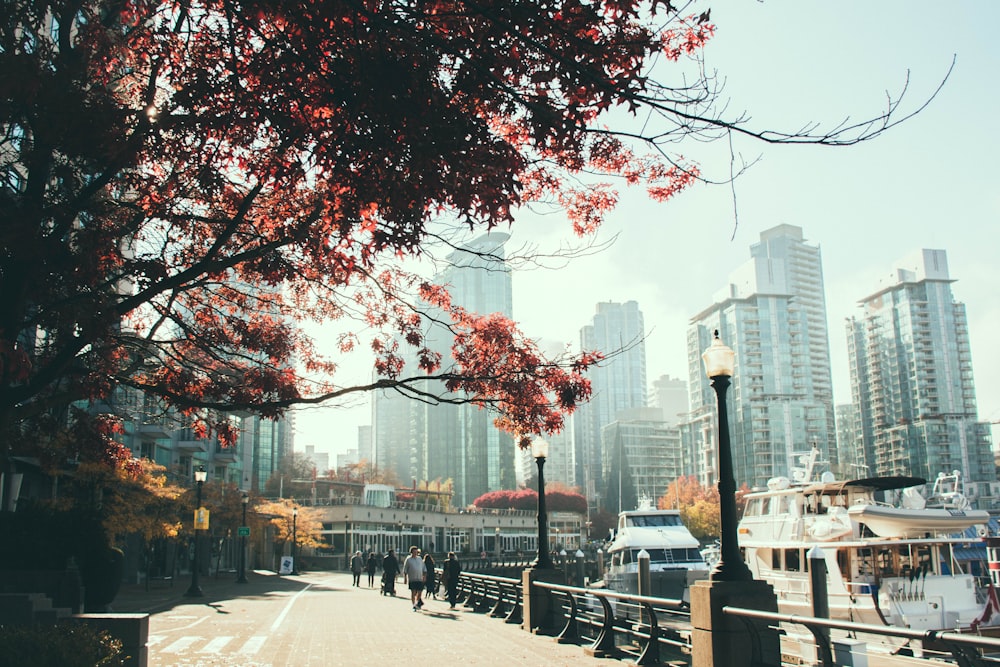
(772, 314)
(419, 441)
(643, 454)
(911, 379)
(618, 383)
(671, 396)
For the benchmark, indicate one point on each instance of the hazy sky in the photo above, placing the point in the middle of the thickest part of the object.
(930, 183)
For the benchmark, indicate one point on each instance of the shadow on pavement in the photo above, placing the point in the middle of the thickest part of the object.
(134, 598)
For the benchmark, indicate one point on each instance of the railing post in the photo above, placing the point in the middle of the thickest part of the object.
(570, 633)
(651, 651)
(604, 645)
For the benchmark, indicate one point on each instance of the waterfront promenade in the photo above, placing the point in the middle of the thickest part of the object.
(319, 619)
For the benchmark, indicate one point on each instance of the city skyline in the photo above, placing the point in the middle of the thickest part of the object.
(926, 184)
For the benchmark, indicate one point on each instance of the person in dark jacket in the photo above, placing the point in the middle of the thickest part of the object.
(390, 568)
(431, 581)
(450, 573)
(370, 567)
(357, 566)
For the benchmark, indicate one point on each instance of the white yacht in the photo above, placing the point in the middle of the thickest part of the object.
(675, 559)
(890, 564)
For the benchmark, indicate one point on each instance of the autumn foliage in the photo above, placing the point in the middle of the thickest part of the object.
(187, 184)
(527, 499)
(699, 505)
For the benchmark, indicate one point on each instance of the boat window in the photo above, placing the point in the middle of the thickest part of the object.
(776, 559)
(792, 560)
(752, 508)
(655, 521)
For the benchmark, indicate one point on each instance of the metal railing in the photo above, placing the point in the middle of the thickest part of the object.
(605, 623)
(965, 650)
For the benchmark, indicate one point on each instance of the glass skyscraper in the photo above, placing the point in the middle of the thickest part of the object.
(911, 379)
(618, 383)
(773, 315)
(419, 441)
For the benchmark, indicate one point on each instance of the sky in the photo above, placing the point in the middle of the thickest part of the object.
(929, 183)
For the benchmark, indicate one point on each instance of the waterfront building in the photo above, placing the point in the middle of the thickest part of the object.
(772, 313)
(911, 379)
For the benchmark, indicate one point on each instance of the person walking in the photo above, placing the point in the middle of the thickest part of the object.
(370, 567)
(357, 565)
(390, 568)
(415, 575)
(431, 578)
(450, 572)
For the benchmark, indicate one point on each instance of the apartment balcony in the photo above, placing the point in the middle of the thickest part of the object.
(194, 445)
(154, 430)
(226, 455)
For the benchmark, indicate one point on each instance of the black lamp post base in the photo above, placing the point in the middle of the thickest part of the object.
(194, 592)
(720, 639)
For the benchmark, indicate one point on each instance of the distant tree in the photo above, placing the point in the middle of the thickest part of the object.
(306, 526)
(619, 488)
(699, 506)
(559, 499)
(602, 523)
(292, 478)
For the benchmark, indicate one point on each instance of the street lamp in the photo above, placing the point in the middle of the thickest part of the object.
(540, 450)
(719, 365)
(399, 533)
(295, 564)
(496, 541)
(194, 591)
(243, 542)
(348, 549)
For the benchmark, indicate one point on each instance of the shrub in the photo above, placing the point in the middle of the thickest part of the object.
(64, 645)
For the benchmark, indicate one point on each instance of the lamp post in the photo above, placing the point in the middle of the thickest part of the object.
(194, 590)
(719, 365)
(295, 564)
(243, 542)
(348, 549)
(399, 533)
(540, 450)
(496, 541)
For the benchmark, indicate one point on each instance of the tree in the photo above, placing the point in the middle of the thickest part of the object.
(293, 477)
(699, 505)
(304, 525)
(558, 498)
(232, 171)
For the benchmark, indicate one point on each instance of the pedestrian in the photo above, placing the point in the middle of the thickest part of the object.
(357, 565)
(415, 575)
(371, 566)
(431, 578)
(450, 573)
(390, 568)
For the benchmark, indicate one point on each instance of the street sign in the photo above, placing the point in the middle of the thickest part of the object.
(243, 531)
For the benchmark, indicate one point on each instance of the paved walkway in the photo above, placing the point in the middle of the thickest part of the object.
(373, 629)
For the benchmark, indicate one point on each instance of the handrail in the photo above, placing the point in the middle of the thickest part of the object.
(965, 648)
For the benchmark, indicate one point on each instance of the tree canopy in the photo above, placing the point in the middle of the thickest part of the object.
(185, 184)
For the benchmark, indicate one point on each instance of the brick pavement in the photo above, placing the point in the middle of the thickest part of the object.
(365, 626)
